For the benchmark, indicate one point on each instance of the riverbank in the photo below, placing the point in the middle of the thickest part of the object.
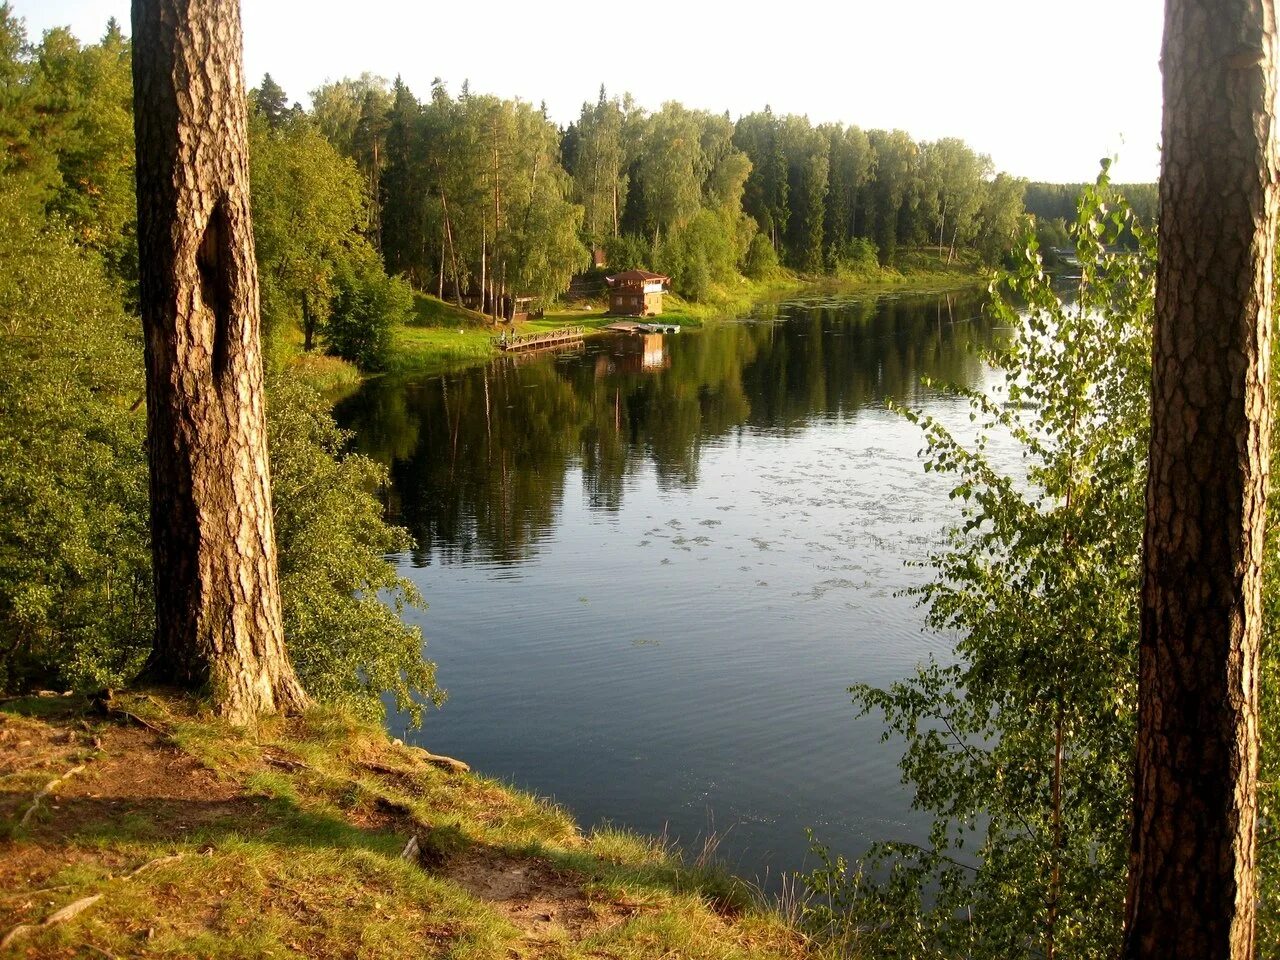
(444, 337)
(142, 827)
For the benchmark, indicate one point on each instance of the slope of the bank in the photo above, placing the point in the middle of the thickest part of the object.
(142, 827)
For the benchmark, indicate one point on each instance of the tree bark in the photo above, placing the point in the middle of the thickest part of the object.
(1192, 879)
(218, 620)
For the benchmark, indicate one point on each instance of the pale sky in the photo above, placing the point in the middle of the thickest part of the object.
(1046, 87)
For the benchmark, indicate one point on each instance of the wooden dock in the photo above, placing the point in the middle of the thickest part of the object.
(643, 327)
(543, 339)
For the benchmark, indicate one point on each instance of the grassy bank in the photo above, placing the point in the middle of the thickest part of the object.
(445, 337)
(166, 833)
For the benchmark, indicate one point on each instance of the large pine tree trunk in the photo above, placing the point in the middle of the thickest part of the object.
(218, 618)
(1192, 870)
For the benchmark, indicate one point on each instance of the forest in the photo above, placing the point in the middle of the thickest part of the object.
(475, 191)
(373, 191)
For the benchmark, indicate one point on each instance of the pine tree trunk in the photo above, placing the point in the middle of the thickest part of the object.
(1192, 881)
(218, 619)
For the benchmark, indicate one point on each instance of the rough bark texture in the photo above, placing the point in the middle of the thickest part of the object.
(1192, 869)
(217, 592)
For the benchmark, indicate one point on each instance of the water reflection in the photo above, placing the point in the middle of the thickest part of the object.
(478, 459)
(654, 567)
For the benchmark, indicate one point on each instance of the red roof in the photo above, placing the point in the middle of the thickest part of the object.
(635, 276)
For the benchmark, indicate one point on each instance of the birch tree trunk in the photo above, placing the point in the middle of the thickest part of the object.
(1192, 878)
(218, 620)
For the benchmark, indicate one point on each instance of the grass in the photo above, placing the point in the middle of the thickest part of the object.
(429, 311)
(286, 841)
(916, 270)
(426, 350)
(326, 374)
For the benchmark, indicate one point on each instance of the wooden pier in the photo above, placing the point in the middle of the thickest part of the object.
(518, 343)
(643, 328)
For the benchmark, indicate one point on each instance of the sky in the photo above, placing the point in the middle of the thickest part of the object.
(1045, 87)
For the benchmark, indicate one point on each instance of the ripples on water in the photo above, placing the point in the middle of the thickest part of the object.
(653, 570)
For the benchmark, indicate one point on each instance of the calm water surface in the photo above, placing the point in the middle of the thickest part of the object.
(654, 568)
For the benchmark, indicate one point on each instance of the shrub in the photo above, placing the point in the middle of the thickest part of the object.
(342, 600)
(856, 255)
(761, 260)
(366, 305)
(76, 603)
(75, 566)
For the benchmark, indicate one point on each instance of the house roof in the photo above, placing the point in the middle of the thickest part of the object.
(635, 276)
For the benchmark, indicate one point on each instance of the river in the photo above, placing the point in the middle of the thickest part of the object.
(653, 567)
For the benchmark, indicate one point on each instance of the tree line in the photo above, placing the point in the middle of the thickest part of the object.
(475, 191)
(373, 191)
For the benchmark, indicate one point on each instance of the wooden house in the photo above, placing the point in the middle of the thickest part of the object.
(636, 293)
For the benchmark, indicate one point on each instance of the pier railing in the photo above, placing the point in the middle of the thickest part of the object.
(536, 341)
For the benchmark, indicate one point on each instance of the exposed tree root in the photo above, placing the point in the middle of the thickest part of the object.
(456, 766)
(74, 909)
(45, 791)
(69, 912)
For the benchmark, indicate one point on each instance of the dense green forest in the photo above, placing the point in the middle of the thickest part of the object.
(477, 191)
(1061, 201)
(375, 191)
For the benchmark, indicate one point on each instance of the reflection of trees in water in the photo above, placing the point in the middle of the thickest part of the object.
(478, 459)
(834, 361)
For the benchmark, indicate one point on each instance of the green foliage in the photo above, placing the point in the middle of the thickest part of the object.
(475, 188)
(308, 209)
(75, 567)
(628, 252)
(66, 124)
(269, 102)
(857, 256)
(1051, 234)
(599, 166)
(1058, 201)
(1000, 219)
(342, 600)
(761, 260)
(1020, 748)
(366, 305)
(702, 254)
(668, 169)
(76, 607)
